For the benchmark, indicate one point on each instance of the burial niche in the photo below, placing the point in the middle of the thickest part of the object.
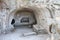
(24, 18)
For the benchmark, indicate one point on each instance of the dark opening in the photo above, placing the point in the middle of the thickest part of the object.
(25, 19)
(50, 28)
(13, 21)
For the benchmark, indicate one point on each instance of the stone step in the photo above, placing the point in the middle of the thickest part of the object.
(29, 34)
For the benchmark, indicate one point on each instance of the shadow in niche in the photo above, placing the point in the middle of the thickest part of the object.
(13, 21)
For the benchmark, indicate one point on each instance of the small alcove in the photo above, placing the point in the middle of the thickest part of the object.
(24, 19)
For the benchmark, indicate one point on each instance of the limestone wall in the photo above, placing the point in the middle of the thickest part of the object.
(46, 12)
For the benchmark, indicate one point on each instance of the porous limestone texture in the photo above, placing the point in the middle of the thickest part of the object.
(47, 12)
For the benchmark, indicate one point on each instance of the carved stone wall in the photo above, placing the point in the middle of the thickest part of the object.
(47, 12)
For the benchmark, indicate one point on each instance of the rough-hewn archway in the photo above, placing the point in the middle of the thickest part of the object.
(42, 15)
(11, 15)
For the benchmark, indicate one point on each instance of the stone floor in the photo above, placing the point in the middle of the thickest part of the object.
(24, 33)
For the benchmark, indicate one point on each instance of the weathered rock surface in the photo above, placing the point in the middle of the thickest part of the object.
(47, 12)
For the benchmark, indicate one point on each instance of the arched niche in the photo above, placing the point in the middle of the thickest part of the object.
(24, 17)
(40, 15)
(14, 13)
